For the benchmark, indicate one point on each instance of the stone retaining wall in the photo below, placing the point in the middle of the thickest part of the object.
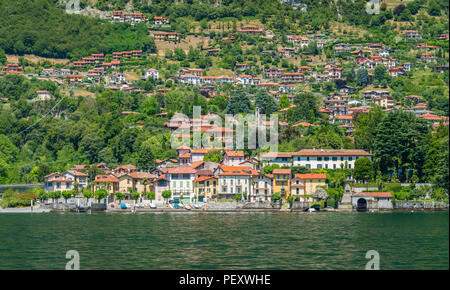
(260, 205)
(420, 205)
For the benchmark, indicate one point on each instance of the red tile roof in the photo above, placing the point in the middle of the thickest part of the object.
(106, 178)
(311, 176)
(184, 169)
(332, 152)
(374, 194)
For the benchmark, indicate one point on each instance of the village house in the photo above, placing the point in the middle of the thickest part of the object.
(190, 79)
(272, 73)
(242, 66)
(123, 169)
(118, 78)
(280, 158)
(236, 180)
(245, 80)
(287, 88)
(282, 182)
(74, 79)
(151, 73)
(205, 188)
(161, 184)
(310, 183)
(141, 182)
(43, 96)
(57, 182)
(414, 34)
(291, 78)
(233, 158)
(166, 36)
(263, 188)
(12, 68)
(250, 30)
(68, 180)
(110, 183)
(181, 181)
(298, 40)
(372, 94)
(328, 158)
(287, 52)
(298, 188)
(158, 20)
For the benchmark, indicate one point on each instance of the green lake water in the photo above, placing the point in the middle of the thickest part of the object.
(404, 240)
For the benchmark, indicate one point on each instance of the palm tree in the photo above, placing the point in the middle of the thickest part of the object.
(145, 182)
(76, 187)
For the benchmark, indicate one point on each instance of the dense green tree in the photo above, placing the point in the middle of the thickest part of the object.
(363, 169)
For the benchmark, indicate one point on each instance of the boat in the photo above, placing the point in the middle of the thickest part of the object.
(311, 209)
(152, 206)
(123, 206)
(82, 208)
(188, 207)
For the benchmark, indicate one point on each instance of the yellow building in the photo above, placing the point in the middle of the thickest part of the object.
(205, 187)
(282, 182)
(311, 181)
(108, 182)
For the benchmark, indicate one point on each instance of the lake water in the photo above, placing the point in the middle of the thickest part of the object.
(282, 240)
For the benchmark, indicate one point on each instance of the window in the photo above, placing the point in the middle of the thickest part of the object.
(334, 158)
(307, 158)
(334, 166)
(326, 165)
(319, 166)
(308, 165)
(342, 158)
(319, 158)
(349, 166)
(327, 158)
(350, 158)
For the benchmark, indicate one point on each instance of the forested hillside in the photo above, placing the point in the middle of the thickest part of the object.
(120, 115)
(39, 27)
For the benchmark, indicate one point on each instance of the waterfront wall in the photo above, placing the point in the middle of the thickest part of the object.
(362, 189)
(73, 206)
(420, 205)
(260, 205)
(222, 205)
(300, 205)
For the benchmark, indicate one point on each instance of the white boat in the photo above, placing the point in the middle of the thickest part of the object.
(152, 206)
(311, 209)
(187, 206)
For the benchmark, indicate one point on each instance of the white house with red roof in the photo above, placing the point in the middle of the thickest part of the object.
(233, 158)
(328, 158)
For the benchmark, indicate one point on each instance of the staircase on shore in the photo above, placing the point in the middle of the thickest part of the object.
(346, 201)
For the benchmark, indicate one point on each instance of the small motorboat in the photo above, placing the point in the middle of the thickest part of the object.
(197, 206)
(123, 206)
(152, 206)
(82, 208)
(188, 207)
(311, 209)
